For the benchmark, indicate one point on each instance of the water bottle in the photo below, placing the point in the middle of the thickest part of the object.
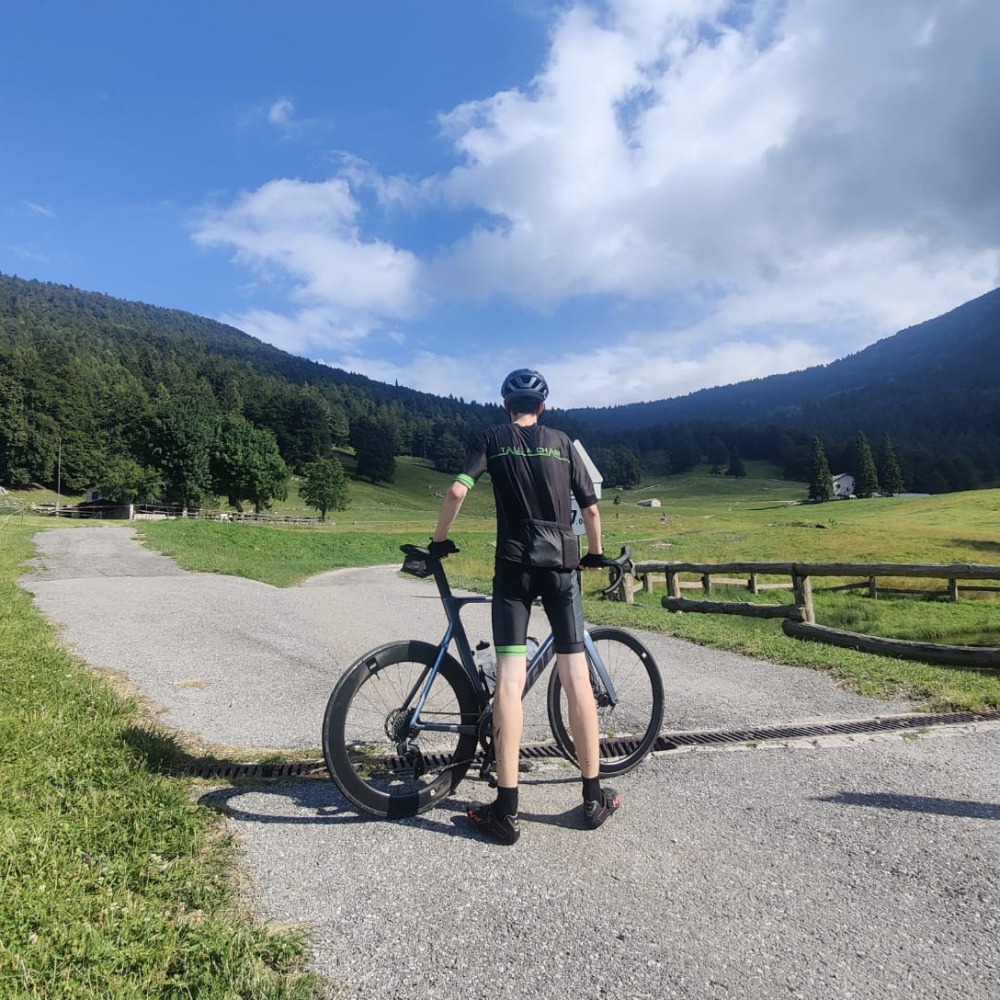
(487, 664)
(532, 647)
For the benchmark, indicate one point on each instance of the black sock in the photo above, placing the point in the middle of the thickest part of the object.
(506, 804)
(591, 789)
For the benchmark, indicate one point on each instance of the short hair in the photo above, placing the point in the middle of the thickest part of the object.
(520, 405)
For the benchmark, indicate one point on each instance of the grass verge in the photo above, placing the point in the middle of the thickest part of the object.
(113, 883)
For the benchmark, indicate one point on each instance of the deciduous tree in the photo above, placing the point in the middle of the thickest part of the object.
(247, 465)
(324, 486)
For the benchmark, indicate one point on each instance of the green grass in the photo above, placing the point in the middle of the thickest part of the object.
(702, 518)
(281, 556)
(113, 883)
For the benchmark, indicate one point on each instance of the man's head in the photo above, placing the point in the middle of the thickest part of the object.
(524, 391)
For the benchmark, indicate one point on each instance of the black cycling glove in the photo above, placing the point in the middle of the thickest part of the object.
(594, 560)
(440, 550)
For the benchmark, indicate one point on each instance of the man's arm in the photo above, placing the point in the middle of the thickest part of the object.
(592, 522)
(452, 504)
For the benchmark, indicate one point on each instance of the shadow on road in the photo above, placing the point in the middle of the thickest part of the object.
(312, 803)
(915, 803)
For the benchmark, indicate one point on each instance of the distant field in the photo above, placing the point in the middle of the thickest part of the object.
(701, 518)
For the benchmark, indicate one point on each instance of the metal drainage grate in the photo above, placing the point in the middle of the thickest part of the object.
(883, 724)
(236, 771)
(665, 741)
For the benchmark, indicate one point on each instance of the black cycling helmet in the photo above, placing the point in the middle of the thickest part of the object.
(525, 384)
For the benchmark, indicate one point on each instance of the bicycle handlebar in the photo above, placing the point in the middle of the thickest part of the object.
(619, 567)
(418, 554)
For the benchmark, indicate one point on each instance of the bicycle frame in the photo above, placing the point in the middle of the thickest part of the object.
(455, 631)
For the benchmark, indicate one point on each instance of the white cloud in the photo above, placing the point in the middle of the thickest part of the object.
(786, 180)
(305, 238)
(283, 116)
(661, 147)
(281, 112)
(43, 210)
(440, 374)
(650, 366)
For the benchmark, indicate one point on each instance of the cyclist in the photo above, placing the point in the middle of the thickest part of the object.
(535, 472)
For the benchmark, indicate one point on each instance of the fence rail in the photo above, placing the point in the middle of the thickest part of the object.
(800, 616)
(801, 576)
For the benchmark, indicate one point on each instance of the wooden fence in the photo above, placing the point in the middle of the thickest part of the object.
(800, 616)
(749, 574)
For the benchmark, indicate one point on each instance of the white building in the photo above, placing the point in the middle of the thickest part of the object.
(843, 486)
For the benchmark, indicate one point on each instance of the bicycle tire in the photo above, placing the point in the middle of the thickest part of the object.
(628, 730)
(362, 753)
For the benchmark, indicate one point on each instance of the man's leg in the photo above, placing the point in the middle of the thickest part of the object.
(511, 608)
(508, 718)
(499, 818)
(574, 675)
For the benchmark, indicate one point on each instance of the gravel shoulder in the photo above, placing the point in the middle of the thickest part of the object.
(860, 868)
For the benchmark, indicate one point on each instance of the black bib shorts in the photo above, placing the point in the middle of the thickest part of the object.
(516, 587)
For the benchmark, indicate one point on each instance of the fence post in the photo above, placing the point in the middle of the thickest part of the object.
(673, 584)
(706, 583)
(647, 582)
(802, 585)
(752, 584)
(953, 589)
(628, 588)
(872, 588)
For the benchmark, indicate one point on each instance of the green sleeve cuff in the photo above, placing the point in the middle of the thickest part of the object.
(467, 481)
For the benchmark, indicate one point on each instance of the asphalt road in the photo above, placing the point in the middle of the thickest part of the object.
(864, 867)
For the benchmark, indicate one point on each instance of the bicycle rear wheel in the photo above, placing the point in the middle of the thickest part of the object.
(369, 751)
(628, 730)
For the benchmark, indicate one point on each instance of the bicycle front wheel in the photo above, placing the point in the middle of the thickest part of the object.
(373, 756)
(628, 730)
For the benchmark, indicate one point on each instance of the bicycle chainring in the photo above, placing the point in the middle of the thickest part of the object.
(485, 731)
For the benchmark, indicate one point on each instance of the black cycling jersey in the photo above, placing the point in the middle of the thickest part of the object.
(536, 472)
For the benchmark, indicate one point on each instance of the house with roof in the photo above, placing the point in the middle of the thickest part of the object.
(843, 486)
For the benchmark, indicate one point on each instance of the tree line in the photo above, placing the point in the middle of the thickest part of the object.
(154, 404)
(159, 405)
(881, 477)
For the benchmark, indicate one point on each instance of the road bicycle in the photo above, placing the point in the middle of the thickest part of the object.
(407, 720)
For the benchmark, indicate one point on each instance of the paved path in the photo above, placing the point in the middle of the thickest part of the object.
(862, 868)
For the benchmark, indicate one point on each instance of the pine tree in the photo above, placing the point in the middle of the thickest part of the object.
(821, 481)
(736, 467)
(866, 477)
(889, 473)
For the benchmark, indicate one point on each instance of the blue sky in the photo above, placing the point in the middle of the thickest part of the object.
(641, 198)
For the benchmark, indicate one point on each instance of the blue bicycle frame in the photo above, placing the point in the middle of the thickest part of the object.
(455, 631)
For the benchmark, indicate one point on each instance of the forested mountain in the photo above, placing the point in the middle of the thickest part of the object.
(152, 402)
(933, 388)
(110, 386)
